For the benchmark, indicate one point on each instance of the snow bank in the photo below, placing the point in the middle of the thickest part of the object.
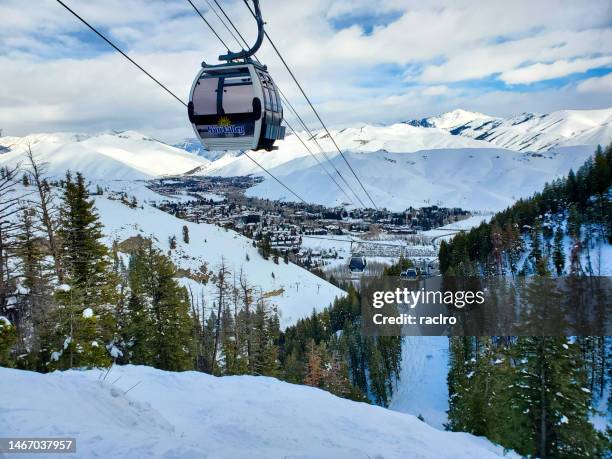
(194, 415)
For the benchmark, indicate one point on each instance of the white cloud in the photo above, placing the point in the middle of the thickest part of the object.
(484, 61)
(601, 84)
(557, 69)
(435, 90)
(55, 74)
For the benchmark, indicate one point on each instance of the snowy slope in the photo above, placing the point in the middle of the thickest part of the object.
(456, 129)
(539, 132)
(459, 158)
(450, 120)
(114, 156)
(400, 137)
(205, 416)
(422, 387)
(294, 290)
(118, 161)
(193, 145)
(471, 178)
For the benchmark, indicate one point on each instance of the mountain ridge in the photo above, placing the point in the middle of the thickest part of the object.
(115, 155)
(458, 128)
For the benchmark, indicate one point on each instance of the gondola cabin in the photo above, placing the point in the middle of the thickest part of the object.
(236, 106)
(357, 264)
(410, 274)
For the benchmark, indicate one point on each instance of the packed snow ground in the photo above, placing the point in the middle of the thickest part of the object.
(195, 415)
(447, 232)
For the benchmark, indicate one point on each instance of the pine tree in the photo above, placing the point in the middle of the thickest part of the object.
(222, 286)
(378, 380)
(558, 254)
(185, 234)
(232, 358)
(336, 379)
(264, 348)
(140, 328)
(536, 244)
(118, 346)
(9, 206)
(172, 242)
(37, 303)
(314, 372)
(84, 254)
(513, 244)
(47, 211)
(444, 256)
(84, 317)
(553, 400)
(265, 246)
(8, 335)
(159, 308)
(461, 362)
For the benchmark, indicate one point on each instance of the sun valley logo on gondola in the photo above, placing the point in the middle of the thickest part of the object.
(225, 126)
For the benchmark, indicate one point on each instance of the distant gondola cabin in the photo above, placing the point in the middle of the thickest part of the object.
(357, 264)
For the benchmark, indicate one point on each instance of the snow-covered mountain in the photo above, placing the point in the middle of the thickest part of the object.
(195, 146)
(450, 120)
(456, 129)
(538, 132)
(193, 415)
(459, 158)
(471, 178)
(124, 155)
(462, 159)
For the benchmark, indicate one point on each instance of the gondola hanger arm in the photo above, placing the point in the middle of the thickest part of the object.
(247, 53)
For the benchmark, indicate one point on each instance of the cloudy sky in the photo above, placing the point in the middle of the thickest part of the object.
(359, 60)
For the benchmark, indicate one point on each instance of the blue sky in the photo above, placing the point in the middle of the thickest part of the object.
(360, 60)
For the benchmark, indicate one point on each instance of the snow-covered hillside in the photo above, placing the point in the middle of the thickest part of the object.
(194, 415)
(294, 290)
(421, 388)
(456, 129)
(450, 120)
(459, 158)
(471, 178)
(110, 156)
(539, 132)
(118, 162)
